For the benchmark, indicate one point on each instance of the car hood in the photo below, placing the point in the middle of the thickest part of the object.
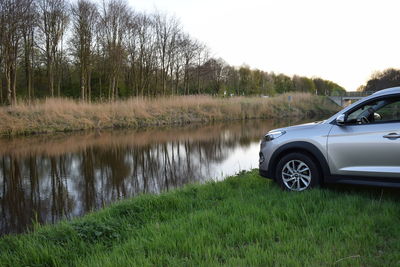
(300, 126)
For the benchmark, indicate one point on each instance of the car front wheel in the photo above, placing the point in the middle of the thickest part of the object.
(297, 172)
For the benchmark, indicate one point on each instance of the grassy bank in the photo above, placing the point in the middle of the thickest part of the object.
(56, 115)
(242, 221)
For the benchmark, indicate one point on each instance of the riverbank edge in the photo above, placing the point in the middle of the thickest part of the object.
(241, 221)
(63, 115)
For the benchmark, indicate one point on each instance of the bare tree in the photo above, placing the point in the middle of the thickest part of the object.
(113, 20)
(146, 62)
(141, 56)
(85, 19)
(189, 48)
(167, 31)
(202, 57)
(28, 34)
(111, 45)
(177, 63)
(2, 30)
(53, 20)
(132, 46)
(13, 14)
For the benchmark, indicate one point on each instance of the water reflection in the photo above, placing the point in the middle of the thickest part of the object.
(46, 179)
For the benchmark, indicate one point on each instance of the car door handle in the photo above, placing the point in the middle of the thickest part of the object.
(392, 136)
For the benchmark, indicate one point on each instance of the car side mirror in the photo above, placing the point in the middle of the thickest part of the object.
(341, 120)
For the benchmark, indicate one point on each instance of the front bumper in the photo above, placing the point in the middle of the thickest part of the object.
(266, 149)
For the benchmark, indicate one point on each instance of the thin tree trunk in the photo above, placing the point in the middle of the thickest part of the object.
(82, 74)
(14, 84)
(177, 81)
(110, 89)
(172, 81)
(89, 87)
(7, 74)
(198, 79)
(101, 89)
(28, 68)
(1, 90)
(51, 79)
(59, 68)
(10, 73)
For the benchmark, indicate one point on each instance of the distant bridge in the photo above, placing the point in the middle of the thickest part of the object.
(348, 97)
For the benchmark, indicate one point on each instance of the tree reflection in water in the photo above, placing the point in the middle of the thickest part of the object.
(46, 179)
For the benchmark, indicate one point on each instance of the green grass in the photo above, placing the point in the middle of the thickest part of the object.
(243, 221)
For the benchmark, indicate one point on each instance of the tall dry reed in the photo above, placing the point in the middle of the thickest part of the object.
(60, 114)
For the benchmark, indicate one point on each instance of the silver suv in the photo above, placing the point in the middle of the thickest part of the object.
(358, 145)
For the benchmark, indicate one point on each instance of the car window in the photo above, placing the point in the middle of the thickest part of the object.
(378, 111)
(390, 112)
(352, 117)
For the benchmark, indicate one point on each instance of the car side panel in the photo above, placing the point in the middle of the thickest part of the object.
(361, 150)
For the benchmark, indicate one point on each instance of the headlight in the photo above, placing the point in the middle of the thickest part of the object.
(273, 135)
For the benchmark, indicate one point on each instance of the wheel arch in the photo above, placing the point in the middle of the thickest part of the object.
(300, 147)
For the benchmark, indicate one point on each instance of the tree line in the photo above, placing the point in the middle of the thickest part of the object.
(381, 80)
(98, 51)
(245, 81)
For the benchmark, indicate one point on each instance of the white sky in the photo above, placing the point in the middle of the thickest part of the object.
(339, 40)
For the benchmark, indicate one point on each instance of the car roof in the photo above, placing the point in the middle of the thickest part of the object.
(393, 90)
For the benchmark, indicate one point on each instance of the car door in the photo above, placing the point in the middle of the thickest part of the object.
(368, 144)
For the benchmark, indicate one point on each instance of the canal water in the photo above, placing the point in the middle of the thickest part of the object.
(44, 179)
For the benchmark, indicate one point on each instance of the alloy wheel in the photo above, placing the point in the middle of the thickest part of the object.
(296, 175)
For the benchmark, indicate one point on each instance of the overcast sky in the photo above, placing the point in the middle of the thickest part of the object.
(339, 40)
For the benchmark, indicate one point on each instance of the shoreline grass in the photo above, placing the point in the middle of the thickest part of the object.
(243, 221)
(63, 115)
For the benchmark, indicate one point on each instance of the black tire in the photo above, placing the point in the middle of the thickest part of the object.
(297, 172)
